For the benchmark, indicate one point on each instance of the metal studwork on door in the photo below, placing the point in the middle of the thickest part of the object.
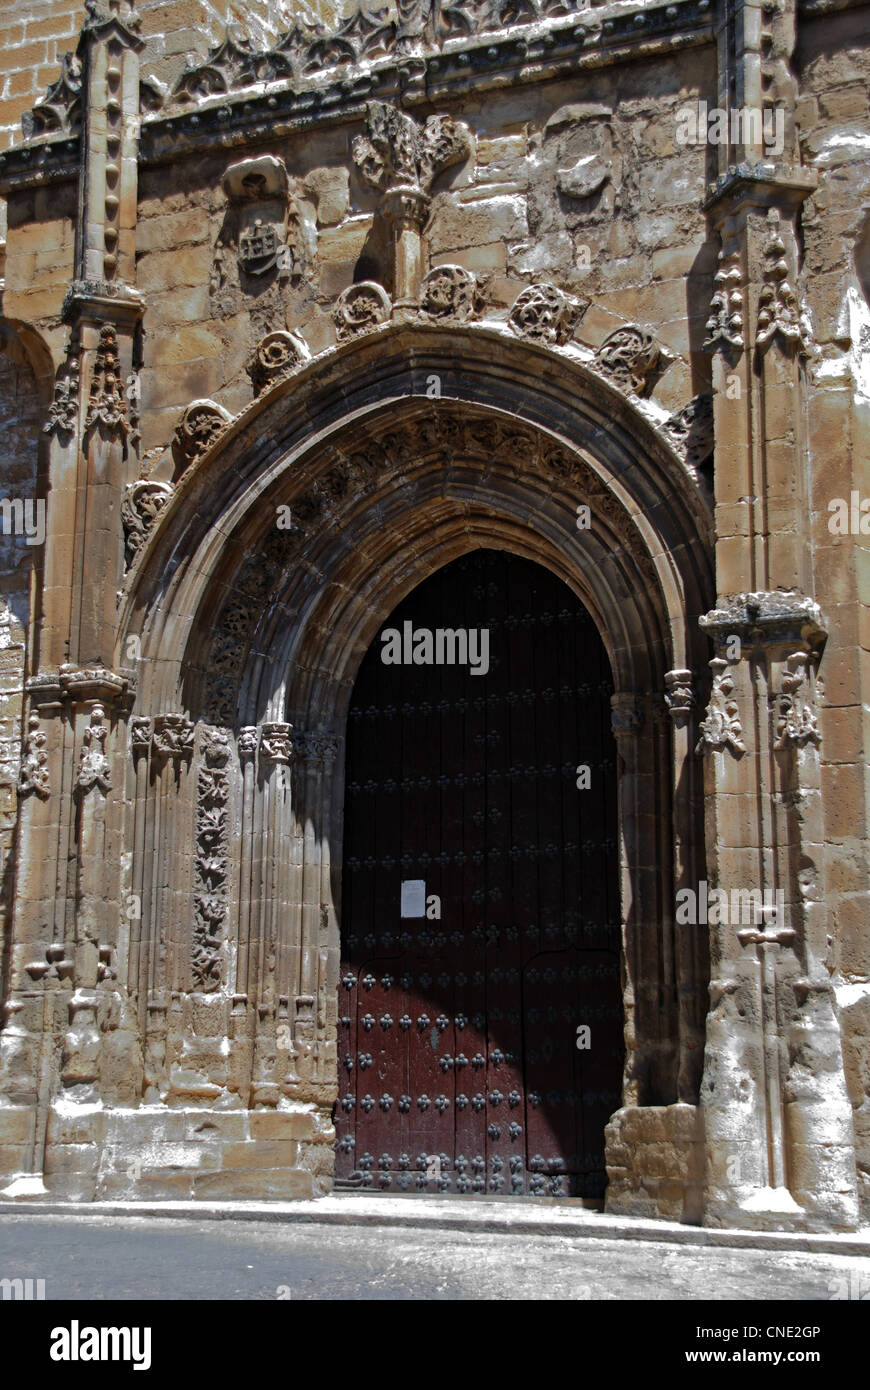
(463, 1064)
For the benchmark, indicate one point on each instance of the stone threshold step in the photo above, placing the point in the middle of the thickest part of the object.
(489, 1215)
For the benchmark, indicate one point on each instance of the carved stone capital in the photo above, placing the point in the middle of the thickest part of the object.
(247, 742)
(141, 732)
(275, 742)
(679, 695)
(173, 736)
(398, 152)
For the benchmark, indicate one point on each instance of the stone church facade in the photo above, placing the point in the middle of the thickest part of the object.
(292, 320)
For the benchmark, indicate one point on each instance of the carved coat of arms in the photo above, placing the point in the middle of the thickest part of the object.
(258, 247)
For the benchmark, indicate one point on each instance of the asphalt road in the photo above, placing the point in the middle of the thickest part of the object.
(106, 1257)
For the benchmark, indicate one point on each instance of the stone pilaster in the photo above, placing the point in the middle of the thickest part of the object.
(780, 1148)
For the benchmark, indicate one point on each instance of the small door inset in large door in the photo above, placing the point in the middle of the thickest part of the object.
(465, 1064)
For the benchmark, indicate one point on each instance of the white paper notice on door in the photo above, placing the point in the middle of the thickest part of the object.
(413, 897)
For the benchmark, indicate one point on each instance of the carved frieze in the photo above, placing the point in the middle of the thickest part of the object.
(198, 428)
(631, 358)
(361, 307)
(277, 354)
(211, 863)
(450, 292)
(721, 727)
(33, 775)
(546, 314)
(142, 504)
(94, 765)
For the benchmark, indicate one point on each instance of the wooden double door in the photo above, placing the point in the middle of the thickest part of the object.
(464, 1061)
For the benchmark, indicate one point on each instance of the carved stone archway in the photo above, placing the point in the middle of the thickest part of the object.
(270, 569)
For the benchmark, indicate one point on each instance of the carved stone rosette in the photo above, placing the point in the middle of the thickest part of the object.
(211, 868)
(631, 358)
(277, 354)
(450, 292)
(546, 314)
(721, 727)
(361, 307)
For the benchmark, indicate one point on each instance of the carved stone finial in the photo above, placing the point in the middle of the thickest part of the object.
(60, 110)
(397, 152)
(779, 311)
(721, 727)
(33, 775)
(546, 314)
(725, 324)
(107, 404)
(797, 722)
(94, 767)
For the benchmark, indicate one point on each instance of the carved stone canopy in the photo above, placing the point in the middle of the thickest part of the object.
(253, 180)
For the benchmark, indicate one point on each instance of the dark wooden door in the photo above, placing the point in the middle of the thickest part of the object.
(459, 1069)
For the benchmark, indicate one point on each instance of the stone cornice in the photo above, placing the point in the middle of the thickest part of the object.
(759, 185)
(80, 684)
(418, 73)
(767, 618)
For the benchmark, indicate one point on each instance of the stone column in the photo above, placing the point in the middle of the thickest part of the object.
(269, 942)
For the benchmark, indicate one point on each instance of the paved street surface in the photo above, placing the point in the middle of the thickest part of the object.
(109, 1257)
